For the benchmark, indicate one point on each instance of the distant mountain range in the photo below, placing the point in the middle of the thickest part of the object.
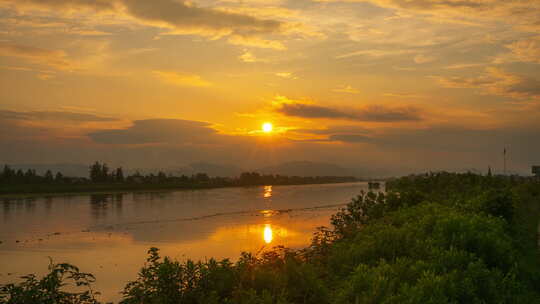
(208, 168)
(306, 168)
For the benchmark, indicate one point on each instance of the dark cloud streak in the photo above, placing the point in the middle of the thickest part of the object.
(178, 15)
(67, 4)
(154, 131)
(53, 115)
(183, 16)
(374, 113)
(495, 81)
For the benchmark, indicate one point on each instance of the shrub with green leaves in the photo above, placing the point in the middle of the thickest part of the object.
(51, 289)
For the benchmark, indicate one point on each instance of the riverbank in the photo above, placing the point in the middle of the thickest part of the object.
(40, 190)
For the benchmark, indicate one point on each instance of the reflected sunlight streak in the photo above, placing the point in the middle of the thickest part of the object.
(267, 234)
(267, 192)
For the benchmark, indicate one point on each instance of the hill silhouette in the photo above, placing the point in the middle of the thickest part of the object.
(307, 168)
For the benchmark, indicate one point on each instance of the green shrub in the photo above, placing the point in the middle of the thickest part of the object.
(51, 288)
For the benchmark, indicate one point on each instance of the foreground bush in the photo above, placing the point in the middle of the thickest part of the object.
(434, 238)
(48, 290)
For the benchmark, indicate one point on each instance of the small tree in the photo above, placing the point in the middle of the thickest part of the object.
(30, 176)
(104, 172)
(95, 172)
(19, 175)
(202, 177)
(162, 177)
(49, 176)
(59, 177)
(119, 175)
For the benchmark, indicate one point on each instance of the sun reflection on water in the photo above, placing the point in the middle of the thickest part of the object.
(267, 192)
(268, 234)
(268, 212)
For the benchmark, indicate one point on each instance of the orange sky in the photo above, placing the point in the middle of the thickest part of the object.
(393, 84)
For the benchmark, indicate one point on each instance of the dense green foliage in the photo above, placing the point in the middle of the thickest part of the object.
(434, 238)
(48, 290)
(101, 178)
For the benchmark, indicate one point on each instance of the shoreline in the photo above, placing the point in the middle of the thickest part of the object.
(44, 194)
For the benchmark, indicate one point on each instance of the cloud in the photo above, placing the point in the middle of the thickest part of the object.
(180, 79)
(435, 4)
(404, 95)
(380, 113)
(421, 58)
(453, 139)
(33, 128)
(180, 17)
(522, 14)
(65, 4)
(247, 56)
(346, 89)
(256, 42)
(183, 15)
(45, 76)
(375, 53)
(53, 58)
(526, 50)
(351, 129)
(162, 143)
(373, 113)
(53, 116)
(449, 6)
(496, 82)
(312, 111)
(351, 138)
(286, 75)
(460, 66)
(155, 131)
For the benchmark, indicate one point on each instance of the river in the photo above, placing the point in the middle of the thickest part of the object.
(108, 235)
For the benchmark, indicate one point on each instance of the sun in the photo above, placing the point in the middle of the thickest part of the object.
(267, 127)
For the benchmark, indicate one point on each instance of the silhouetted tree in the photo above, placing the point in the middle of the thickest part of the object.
(20, 175)
(162, 177)
(250, 178)
(30, 176)
(59, 177)
(95, 172)
(48, 176)
(104, 172)
(202, 177)
(119, 175)
(99, 172)
(7, 174)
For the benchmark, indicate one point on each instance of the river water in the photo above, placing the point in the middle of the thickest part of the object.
(108, 235)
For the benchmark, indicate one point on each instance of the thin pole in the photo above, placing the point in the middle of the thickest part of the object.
(504, 156)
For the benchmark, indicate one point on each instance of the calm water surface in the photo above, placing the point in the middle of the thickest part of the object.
(109, 234)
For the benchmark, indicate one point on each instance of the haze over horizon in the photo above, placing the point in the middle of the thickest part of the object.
(386, 85)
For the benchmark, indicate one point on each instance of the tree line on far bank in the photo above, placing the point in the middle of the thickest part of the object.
(101, 173)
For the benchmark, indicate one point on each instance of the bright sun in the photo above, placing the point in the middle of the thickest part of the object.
(267, 127)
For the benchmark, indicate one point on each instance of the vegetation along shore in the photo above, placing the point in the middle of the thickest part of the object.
(17, 183)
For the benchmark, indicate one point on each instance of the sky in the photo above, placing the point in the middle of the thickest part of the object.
(391, 85)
